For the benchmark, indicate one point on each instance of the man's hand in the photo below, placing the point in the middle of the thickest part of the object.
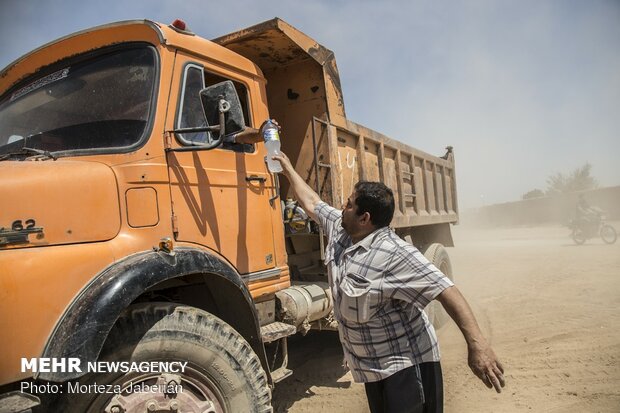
(250, 135)
(305, 195)
(261, 128)
(484, 363)
(287, 167)
(481, 358)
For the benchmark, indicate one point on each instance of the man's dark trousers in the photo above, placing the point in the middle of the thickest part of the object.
(400, 392)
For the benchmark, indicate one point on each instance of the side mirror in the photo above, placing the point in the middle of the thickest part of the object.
(223, 113)
(220, 100)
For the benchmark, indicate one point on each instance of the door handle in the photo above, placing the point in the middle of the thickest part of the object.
(255, 178)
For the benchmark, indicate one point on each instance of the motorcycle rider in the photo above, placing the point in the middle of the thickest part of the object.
(586, 216)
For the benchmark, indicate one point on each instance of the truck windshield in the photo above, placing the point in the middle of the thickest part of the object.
(96, 103)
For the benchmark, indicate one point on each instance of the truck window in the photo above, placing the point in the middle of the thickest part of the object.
(190, 108)
(83, 105)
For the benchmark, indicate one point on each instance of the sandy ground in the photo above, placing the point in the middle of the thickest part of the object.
(549, 308)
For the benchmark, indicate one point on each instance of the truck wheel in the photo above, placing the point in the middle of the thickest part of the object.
(438, 256)
(223, 374)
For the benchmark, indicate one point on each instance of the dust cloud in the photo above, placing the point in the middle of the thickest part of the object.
(548, 307)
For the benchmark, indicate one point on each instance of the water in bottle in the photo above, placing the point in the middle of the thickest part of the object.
(272, 144)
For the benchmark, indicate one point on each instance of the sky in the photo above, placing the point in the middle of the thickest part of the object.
(521, 89)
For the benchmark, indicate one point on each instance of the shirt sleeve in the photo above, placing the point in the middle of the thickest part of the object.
(412, 278)
(329, 218)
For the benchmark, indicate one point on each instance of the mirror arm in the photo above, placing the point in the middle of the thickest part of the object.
(192, 148)
(196, 130)
(223, 107)
(200, 146)
(222, 126)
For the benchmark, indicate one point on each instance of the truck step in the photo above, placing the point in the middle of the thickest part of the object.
(280, 374)
(17, 402)
(275, 331)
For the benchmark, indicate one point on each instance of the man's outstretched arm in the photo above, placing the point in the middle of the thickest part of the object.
(481, 357)
(305, 195)
(249, 134)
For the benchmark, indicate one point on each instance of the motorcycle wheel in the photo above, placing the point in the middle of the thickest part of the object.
(579, 236)
(608, 234)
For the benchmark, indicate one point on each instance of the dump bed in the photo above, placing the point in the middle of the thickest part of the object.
(328, 150)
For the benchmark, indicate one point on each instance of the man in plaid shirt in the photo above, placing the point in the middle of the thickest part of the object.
(380, 285)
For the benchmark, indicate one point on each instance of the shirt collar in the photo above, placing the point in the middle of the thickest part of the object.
(366, 243)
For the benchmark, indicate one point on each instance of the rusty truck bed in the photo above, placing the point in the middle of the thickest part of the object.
(331, 152)
(424, 186)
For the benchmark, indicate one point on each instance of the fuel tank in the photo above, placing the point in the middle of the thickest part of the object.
(304, 303)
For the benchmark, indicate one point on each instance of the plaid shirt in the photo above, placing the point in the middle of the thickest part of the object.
(380, 287)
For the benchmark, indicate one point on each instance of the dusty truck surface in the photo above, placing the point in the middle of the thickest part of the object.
(148, 261)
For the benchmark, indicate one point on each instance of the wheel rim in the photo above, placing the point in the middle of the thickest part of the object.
(191, 392)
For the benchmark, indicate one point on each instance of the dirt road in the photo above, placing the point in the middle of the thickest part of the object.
(550, 309)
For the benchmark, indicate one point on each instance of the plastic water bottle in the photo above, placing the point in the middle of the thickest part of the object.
(272, 143)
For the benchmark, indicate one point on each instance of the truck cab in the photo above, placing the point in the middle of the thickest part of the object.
(94, 175)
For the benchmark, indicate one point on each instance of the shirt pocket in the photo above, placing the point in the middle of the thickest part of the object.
(358, 302)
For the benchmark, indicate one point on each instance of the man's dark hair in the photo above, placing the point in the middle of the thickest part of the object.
(376, 199)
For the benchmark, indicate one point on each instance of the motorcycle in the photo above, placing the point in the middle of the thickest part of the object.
(589, 227)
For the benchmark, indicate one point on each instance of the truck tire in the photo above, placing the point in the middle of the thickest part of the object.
(223, 373)
(438, 256)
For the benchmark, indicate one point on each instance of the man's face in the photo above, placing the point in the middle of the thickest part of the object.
(349, 215)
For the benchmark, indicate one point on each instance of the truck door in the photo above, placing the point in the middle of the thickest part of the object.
(220, 197)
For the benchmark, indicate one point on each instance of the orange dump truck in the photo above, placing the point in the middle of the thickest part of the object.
(143, 248)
